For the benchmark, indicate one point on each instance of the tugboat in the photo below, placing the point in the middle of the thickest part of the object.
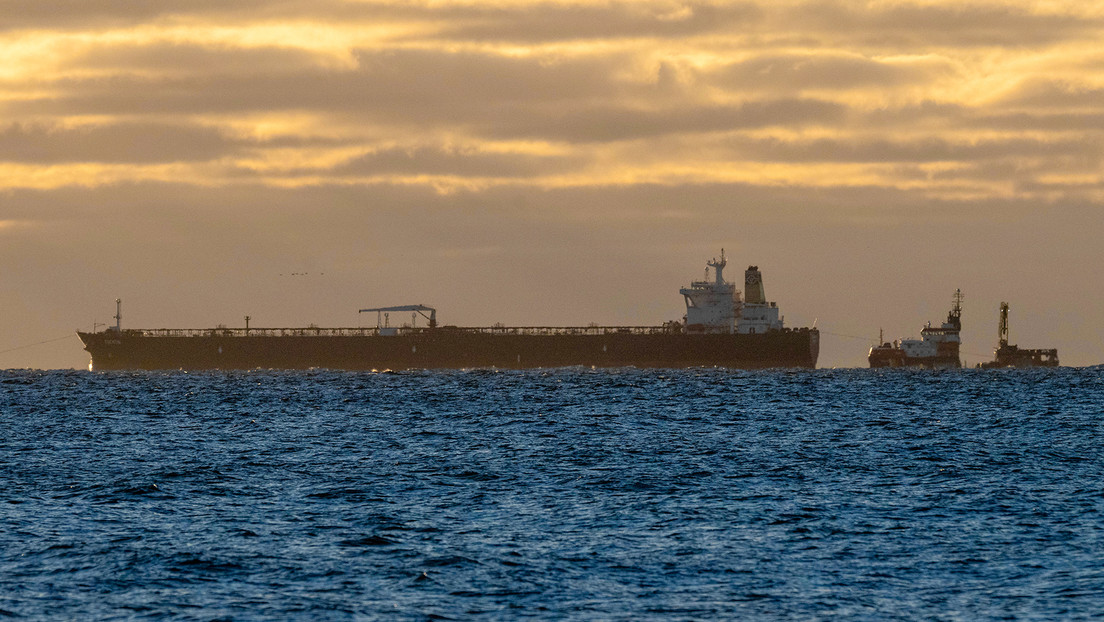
(1012, 356)
(937, 348)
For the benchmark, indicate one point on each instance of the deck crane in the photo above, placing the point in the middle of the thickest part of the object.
(1002, 327)
(419, 309)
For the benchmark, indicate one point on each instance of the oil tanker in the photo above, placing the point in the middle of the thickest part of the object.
(721, 329)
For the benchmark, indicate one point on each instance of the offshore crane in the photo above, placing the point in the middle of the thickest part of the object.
(419, 309)
(1002, 326)
(1008, 355)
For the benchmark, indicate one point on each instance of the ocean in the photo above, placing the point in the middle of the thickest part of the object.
(553, 494)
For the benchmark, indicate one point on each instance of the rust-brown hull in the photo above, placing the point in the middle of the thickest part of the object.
(449, 348)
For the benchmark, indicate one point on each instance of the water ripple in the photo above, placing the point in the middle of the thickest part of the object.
(577, 493)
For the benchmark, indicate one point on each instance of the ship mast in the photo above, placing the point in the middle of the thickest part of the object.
(955, 316)
(718, 267)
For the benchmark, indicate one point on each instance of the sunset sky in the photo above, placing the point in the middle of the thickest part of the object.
(551, 163)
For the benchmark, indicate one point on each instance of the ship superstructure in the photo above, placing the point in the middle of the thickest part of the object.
(715, 306)
(711, 305)
(719, 330)
(1008, 355)
(937, 347)
(756, 315)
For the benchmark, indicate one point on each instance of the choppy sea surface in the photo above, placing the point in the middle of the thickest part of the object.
(556, 494)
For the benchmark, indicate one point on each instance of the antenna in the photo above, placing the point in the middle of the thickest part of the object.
(717, 266)
(954, 318)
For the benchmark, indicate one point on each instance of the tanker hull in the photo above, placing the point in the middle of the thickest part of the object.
(446, 348)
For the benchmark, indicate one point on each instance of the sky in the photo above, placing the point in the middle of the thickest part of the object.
(547, 163)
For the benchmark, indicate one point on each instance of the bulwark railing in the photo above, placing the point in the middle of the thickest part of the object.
(404, 330)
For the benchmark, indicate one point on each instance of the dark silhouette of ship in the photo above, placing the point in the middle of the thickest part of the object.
(720, 329)
(1008, 355)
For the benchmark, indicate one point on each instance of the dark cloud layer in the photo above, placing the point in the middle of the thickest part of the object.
(603, 21)
(137, 143)
(905, 25)
(459, 162)
(930, 149)
(192, 59)
(798, 72)
(621, 123)
(1048, 93)
(419, 85)
(532, 23)
(97, 14)
(133, 143)
(900, 25)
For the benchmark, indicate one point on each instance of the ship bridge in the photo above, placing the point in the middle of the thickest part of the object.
(711, 305)
(715, 306)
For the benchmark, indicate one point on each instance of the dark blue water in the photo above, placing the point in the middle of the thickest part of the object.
(569, 494)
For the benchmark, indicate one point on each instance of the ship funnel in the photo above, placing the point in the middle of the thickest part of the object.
(753, 286)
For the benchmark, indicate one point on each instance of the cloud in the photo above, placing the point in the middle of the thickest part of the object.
(548, 21)
(621, 123)
(1073, 121)
(924, 149)
(114, 143)
(897, 24)
(106, 14)
(909, 25)
(178, 59)
(428, 160)
(1047, 93)
(413, 84)
(135, 143)
(791, 72)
